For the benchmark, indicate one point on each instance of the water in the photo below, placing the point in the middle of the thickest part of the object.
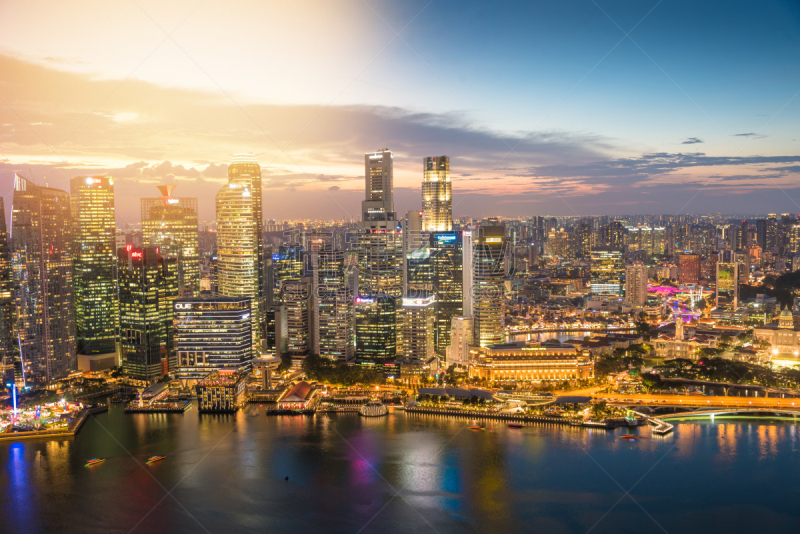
(226, 474)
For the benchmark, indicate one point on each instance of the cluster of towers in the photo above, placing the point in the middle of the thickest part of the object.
(73, 295)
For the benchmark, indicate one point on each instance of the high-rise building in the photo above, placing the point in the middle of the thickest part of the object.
(240, 262)
(636, 283)
(437, 195)
(376, 329)
(607, 272)
(170, 223)
(332, 299)
(489, 270)
(460, 338)
(689, 266)
(378, 203)
(727, 285)
(148, 287)
(447, 258)
(212, 333)
(296, 295)
(419, 320)
(41, 260)
(8, 340)
(414, 239)
(96, 305)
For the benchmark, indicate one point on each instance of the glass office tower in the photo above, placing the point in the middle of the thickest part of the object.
(148, 287)
(240, 262)
(437, 195)
(93, 220)
(41, 259)
(170, 223)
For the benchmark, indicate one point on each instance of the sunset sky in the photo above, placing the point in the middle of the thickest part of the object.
(545, 108)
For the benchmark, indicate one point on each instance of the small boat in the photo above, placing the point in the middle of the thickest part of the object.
(95, 461)
(515, 425)
(154, 459)
(476, 428)
(631, 437)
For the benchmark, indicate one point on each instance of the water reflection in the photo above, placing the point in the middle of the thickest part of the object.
(345, 470)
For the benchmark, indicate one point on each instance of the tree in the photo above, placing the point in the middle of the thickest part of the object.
(651, 382)
(286, 363)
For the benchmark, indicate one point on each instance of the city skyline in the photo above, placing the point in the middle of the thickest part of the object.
(661, 121)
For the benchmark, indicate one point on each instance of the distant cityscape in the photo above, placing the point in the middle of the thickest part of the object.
(408, 297)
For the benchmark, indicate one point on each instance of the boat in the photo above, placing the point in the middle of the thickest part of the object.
(154, 459)
(631, 437)
(95, 461)
(476, 428)
(515, 425)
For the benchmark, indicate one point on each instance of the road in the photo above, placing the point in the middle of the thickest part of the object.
(700, 401)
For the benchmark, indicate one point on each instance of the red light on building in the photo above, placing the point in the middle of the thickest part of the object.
(128, 248)
(136, 254)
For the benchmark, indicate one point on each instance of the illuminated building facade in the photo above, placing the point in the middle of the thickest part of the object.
(8, 339)
(636, 283)
(727, 293)
(212, 333)
(460, 338)
(419, 321)
(170, 223)
(332, 300)
(489, 269)
(222, 391)
(689, 267)
(287, 263)
(378, 203)
(296, 295)
(447, 259)
(148, 287)
(95, 252)
(240, 264)
(41, 259)
(437, 195)
(376, 329)
(607, 272)
(531, 362)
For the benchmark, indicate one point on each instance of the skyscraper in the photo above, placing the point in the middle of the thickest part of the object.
(212, 333)
(689, 268)
(636, 283)
(148, 287)
(489, 287)
(240, 263)
(727, 285)
(419, 327)
(608, 272)
(437, 195)
(376, 329)
(8, 339)
(378, 203)
(94, 223)
(41, 237)
(447, 259)
(170, 223)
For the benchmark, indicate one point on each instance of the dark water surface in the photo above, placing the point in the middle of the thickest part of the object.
(400, 474)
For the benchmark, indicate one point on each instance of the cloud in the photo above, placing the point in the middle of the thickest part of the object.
(750, 134)
(145, 135)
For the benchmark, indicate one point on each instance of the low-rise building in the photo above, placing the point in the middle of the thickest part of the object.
(300, 396)
(783, 336)
(221, 391)
(530, 362)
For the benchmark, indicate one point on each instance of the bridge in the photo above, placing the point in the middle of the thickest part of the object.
(794, 414)
(690, 405)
